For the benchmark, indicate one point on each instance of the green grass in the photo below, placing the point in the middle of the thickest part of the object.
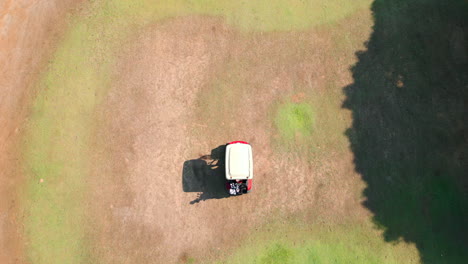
(295, 121)
(274, 15)
(295, 243)
(310, 127)
(276, 253)
(56, 144)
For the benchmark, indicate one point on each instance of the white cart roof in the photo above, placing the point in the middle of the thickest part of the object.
(239, 163)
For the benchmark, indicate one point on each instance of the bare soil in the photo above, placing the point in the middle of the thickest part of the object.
(168, 106)
(28, 33)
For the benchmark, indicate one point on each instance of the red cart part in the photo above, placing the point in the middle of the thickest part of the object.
(241, 142)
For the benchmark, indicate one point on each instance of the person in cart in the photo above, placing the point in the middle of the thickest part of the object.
(239, 167)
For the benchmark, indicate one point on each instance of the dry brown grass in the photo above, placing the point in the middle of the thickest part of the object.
(185, 87)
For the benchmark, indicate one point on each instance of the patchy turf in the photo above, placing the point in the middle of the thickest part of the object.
(305, 65)
(57, 150)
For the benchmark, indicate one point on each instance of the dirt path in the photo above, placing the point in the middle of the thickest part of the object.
(150, 124)
(28, 31)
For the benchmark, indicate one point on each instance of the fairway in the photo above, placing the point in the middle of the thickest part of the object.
(354, 111)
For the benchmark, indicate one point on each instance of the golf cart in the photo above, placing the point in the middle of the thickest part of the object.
(239, 168)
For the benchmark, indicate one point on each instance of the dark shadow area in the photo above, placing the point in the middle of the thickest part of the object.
(206, 176)
(409, 106)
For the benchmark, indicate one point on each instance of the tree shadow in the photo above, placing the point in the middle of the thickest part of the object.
(409, 138)
(206, 176)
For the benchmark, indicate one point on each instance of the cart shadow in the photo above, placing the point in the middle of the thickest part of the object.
(206, 176)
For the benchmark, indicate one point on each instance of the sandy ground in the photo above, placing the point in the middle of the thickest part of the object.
(28, 31)
(150, 127)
